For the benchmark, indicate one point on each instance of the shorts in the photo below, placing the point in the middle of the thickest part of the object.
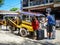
(49, 28)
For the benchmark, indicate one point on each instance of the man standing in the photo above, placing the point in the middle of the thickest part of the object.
(50, 24)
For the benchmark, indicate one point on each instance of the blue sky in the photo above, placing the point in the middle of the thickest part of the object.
(8, 4)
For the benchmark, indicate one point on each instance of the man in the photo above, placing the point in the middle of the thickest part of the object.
(50, 24)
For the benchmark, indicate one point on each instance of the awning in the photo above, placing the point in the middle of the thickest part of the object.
(10, 15)
(32, 14)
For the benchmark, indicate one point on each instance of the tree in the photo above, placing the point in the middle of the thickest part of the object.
(14, 9)
(1, 2)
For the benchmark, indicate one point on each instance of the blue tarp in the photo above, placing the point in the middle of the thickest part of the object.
(32, 14)
(25, 13)
(10, 15)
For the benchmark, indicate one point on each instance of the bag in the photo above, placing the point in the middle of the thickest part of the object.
(40, 34)
(54, 33)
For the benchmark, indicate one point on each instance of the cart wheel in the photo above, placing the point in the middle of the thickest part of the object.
(23, 32)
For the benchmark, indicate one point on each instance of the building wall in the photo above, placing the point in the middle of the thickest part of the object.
(27, 3)
(37, 8)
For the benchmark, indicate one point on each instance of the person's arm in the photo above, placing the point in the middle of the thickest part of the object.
(44, 21)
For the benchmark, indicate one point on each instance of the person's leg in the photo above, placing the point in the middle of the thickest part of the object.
(47, 31)
(50, 34)
(47, 35)
(35, 35)
(50, 31)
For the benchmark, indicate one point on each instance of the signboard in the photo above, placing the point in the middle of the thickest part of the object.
(57, 0)
(56, 3)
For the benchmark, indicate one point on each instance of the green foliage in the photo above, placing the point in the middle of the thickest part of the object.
(1, 2)
(14, 9)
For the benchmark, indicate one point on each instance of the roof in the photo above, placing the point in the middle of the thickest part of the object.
(32, 14)
(7, 12)
(25, 13)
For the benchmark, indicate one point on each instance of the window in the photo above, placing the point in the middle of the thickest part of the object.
(25, 3)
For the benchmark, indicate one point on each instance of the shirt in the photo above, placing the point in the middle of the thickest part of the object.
(35, 24)
(51, 20)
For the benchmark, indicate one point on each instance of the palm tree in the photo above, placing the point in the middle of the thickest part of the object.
(1, 2)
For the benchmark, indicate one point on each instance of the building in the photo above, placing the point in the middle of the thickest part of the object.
(40, 6)
(36, 5)
(57, 9)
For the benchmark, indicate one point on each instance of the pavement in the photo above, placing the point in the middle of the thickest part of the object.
(7, 38)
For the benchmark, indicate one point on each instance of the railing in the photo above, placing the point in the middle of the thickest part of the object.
(40, 2)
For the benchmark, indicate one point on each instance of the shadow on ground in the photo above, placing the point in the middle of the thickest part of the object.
(9, 44)
(28, 42)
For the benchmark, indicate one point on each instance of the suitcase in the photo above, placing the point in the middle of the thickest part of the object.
(40, 34)
(54, 33)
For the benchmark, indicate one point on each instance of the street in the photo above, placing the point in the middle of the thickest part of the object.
(7, 38)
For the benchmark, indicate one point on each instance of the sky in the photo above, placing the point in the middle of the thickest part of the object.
(8, 4)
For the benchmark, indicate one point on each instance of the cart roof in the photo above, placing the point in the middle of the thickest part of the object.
(32, 14)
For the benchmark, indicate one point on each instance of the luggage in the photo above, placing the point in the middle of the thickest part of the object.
(54, 33)
(40, 34)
